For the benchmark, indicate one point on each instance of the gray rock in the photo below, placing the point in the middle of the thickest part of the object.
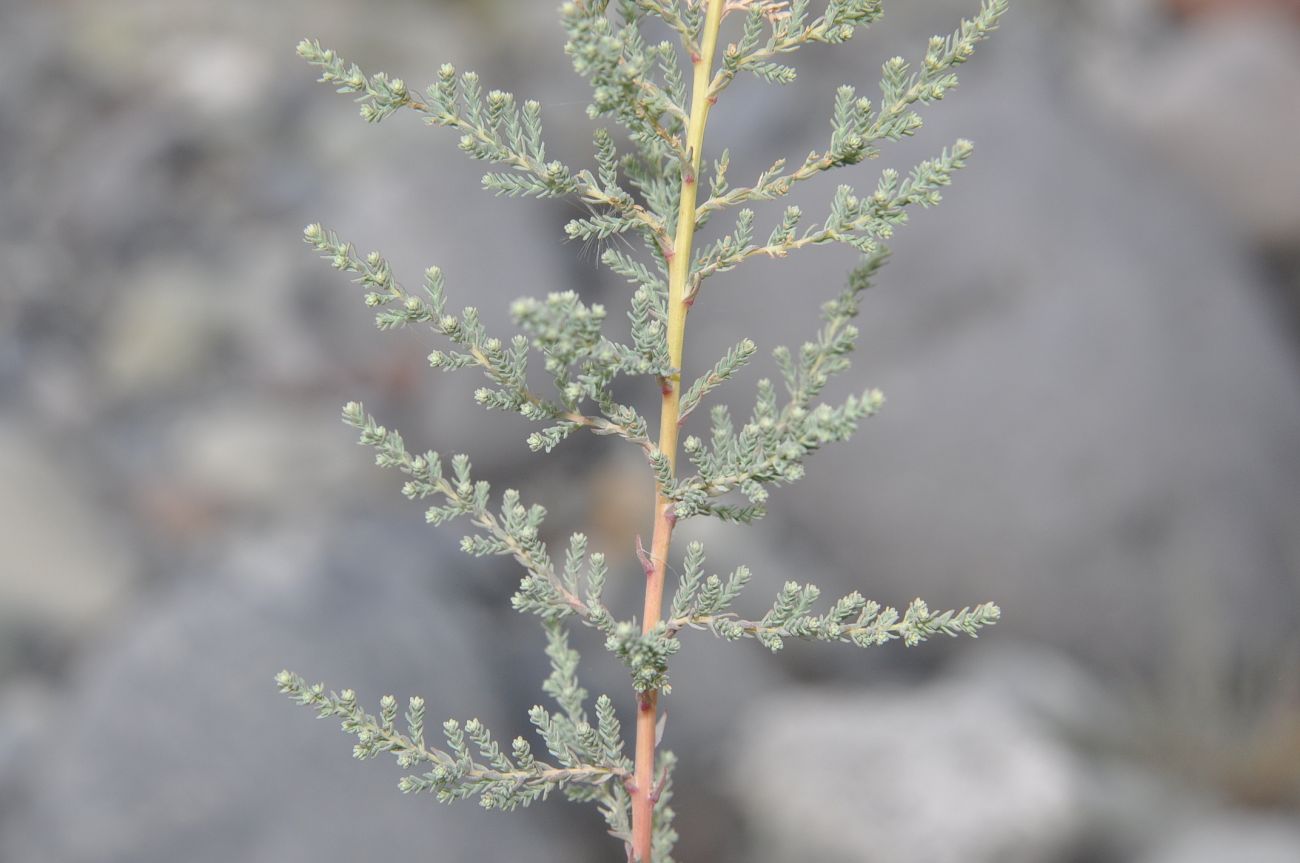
(1126, 806)
(25, 704)
(173, 744)
(1237, 836)
(253, 456)
(1091, 413)
(65, 568)
(1045, 683)
(162, 334)
(948, 772)
(1246, 63)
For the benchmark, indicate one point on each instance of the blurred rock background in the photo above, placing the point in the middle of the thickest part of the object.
(1091, 356)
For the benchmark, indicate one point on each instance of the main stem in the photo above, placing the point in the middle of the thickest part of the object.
(645, 789)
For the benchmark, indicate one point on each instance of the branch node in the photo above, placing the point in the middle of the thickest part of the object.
(647, 565)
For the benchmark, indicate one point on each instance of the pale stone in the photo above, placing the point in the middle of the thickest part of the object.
(66, 563)
(947, 773)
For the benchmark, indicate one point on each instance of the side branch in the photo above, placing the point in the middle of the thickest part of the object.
(458, 105)
(770, 185)
(854, 620)
(500, 781)
(506, 369)
(856, 221)
(514, 533)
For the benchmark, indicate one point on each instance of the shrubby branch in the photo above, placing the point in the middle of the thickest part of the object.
(646, 181)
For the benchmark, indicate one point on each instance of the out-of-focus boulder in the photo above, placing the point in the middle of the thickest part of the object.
(1237, 836)
(172, 743)
(1213, 97)
(947, 773)
(1092, 412)
(67, 567)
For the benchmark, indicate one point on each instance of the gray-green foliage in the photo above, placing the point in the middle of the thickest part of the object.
(641, 86)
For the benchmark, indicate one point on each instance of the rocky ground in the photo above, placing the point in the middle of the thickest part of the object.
(1094, 412)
